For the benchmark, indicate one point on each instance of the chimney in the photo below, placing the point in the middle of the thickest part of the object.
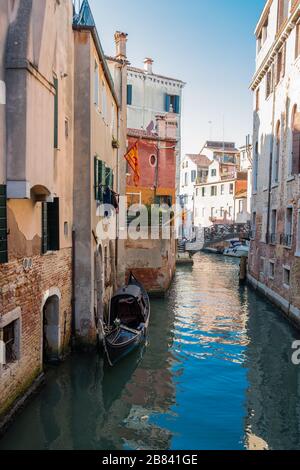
(148, 65)
(121, 40)
(167, 126)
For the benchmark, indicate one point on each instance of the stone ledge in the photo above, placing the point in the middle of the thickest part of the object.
(291, 312)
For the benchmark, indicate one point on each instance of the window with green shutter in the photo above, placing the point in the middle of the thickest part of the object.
(99, 178)
(3, 225)
(50, 226)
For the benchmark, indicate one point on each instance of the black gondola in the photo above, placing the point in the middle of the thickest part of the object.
(128, 321)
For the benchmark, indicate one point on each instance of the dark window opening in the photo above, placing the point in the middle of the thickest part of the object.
(129, 95)
(173, 103)
(9, 339)
(50, 226)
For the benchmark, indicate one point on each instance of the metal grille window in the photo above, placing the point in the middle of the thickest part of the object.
(10, 343)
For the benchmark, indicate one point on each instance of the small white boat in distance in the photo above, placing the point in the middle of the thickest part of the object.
(237, 249)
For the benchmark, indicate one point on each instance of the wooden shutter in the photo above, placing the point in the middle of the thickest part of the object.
(3, 225)
(96, 178)
(53, 225)
(129, 94)
(101, 180)
(56, 114)
(44, 228)
(168, 102)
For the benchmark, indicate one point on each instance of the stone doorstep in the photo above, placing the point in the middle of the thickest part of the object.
(20, 403)
(290, 312)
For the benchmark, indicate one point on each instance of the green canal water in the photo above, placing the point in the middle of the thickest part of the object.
(215, 374)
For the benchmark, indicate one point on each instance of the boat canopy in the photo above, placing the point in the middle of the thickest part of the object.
(128, 306)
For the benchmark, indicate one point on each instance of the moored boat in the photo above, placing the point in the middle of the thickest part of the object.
(128, 321)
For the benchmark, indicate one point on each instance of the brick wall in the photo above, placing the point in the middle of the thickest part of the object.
(29, 290)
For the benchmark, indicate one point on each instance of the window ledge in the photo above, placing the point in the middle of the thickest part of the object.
(286, 286)
(275, 185)
(7, 370)
(297, 254)
(291, 178)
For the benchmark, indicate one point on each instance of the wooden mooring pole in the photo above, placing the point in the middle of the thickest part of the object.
(243, 269)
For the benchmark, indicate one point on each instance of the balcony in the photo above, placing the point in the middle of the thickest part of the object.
(273, 237)
(286, 240)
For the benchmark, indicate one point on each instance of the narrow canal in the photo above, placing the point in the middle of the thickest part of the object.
(216, 374)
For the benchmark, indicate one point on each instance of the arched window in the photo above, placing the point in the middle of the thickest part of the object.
(296, 141)
(276, 155)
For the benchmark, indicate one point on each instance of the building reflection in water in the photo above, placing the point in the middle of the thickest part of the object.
(273, 394)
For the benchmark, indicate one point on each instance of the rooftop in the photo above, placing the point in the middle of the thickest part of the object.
(139, 70)
(200, 160)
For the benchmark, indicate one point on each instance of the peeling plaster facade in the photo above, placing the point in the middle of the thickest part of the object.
(36, 48)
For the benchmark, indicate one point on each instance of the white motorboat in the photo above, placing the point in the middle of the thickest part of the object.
(237, 249)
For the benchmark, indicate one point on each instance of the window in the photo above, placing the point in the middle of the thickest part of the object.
(253, 228)
(288, 236)
(163, 200)
(241, 206)
(3, 225)
(193, 176)
(295, 164)
(255, 167)
(203, 192)
(222, 212)
(283, 11)
(273, 226)
(129, 95)
(96, 85)
(153, 161)
(9, 334)
(230, 211)
(257, 100)
(286, 276)
(222, 189)
(271, 270)
(262, 265)
(213, 172)
(56, 113)
(276, 154)
(104, 101)
(203, 211)
(297, 44)
(280, 64)
(212, 212)
(172, 103)
(50, 226)
(213, 190)
(186, 179)
(269, 82)
(231, 188)
(99, 179)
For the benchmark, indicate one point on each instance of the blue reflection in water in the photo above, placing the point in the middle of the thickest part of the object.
(216, 374)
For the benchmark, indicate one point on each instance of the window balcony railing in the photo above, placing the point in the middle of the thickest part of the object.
(273, 238)
(287, 239)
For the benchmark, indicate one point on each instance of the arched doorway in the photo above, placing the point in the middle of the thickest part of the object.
(51, 330)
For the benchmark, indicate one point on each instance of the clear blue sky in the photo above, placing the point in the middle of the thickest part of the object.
(208, 44)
